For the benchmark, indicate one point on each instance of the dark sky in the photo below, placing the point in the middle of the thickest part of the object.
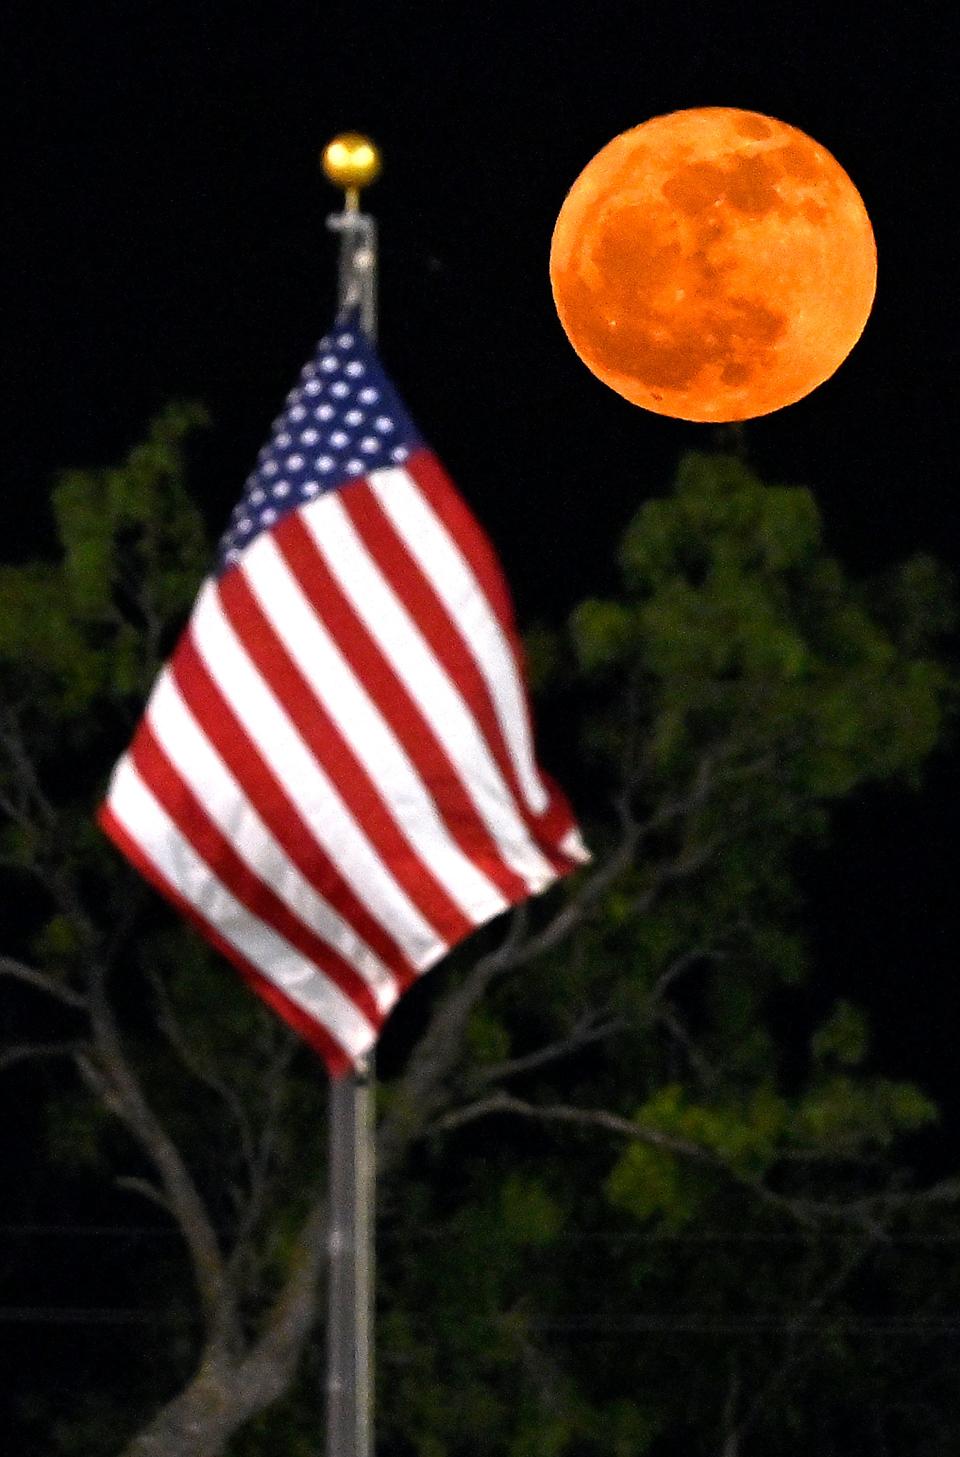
(165, 236)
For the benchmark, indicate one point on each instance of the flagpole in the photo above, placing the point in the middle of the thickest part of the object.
(352, 162)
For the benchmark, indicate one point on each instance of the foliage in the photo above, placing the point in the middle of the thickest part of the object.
(623, 1211)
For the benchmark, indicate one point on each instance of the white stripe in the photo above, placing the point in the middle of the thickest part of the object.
(405, 648)
(445, 567)
(366, 731)
(573, 847)
(201, 767)
(327, 817)
(148, 823)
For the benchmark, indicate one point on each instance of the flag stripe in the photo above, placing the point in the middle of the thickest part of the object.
(556, 825)
(326, 689)
(450, 508)
(224, 730)
(441, 623)
(200, 767)
(441, 630)
(306, 1024)
(248, 889)
(441, 565)
(320, 805)
(413, 726)
(338, 761)
(404, 791)
(176, 861)
(400, 640)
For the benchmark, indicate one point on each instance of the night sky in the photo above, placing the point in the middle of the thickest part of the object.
(165, 237)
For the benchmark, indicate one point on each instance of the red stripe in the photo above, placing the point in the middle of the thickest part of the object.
(398, 707)
(192, 820)
(322, 736)
(437, 488)
(444, 637)
(239, 752)
(314, 1033)
(448, 505)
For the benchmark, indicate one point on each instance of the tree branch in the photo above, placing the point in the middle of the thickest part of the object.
(111, 1075)
(587, 1031)
(42, 982)
(173, 1030)
(37, 1051)
(503, 1102)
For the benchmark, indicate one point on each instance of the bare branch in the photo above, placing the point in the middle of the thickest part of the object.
(587, 1031)
(700, 1064)
(242, 1257)
(502, 1102)
(677, 967)
(37, 1051)
(143, 1187)
(172, 1028)
(110, 1074)
(42, 981)
(11, 740)
(795, 1350)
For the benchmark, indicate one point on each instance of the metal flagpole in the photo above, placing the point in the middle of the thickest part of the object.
(351, 162)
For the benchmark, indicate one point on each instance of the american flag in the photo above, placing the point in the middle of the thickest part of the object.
(334, 776)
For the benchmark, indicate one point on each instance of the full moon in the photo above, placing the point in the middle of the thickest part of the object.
(713, 264)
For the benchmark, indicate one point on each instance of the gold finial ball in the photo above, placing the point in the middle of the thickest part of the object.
(351, 161)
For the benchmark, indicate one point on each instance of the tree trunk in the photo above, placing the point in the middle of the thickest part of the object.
(199, 1421)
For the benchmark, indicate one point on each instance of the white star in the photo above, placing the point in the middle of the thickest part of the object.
(324, 412)
(400, 453)
(310, 488)
(312, 387)
(309, 437)
(268, 516)
(257, 496)
(355, 369)
(345, 341)
(295, 462)
(339, 389)
(329, 363)
(324, 462)
(369, 443)
(282, 488)
(355, 467)
(233, 555)
(339, 438)
(245, 525)
(354, 417)
(283, 440)
(308, 371)
(369, 396)
(384, 424)
(297, 412)
(269, 468)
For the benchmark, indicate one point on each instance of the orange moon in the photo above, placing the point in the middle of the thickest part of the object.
(713, 264)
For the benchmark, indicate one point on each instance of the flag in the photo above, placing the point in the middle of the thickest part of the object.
(334, 777)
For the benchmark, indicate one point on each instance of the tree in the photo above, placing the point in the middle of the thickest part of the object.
(617, 1036)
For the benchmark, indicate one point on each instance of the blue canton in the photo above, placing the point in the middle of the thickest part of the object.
(343, 420)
